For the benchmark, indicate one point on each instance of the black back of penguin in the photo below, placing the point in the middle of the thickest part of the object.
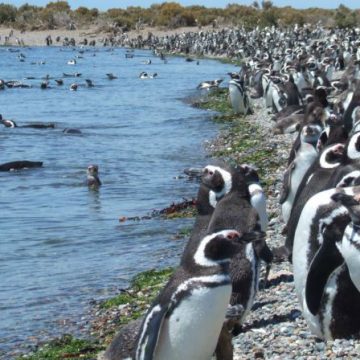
(205, 210)
(235, 211)
(315, 180)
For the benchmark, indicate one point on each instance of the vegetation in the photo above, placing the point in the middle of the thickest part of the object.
(170, 15)
(244, 139)
(66, 347)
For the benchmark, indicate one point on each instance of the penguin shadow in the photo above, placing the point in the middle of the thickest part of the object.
(274, 320)
(266, 284)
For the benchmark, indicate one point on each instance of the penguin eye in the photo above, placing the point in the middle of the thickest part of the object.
(211, 173)
(231, 236)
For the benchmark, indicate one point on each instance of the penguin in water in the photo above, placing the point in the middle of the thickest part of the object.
(18, 165)
(328, 297)
(93, 180)
(234, 210)
(179, 326)
(305, 156)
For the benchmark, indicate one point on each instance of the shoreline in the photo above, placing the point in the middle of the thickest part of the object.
(38, 37)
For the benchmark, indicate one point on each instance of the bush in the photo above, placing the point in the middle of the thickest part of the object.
(7, 13)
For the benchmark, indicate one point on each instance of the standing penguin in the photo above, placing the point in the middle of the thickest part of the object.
(179, 325)
(257, 194)
(238, 97)
(314, 181)
(234, 210)
(304, 157)
(327, 294)
(349, 245)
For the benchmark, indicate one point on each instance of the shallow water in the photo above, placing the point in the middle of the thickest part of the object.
(61, 243)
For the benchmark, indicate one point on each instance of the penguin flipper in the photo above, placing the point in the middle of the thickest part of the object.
(286, 183)
(150, 332)
(325, 261)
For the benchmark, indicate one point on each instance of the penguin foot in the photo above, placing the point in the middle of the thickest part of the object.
(237, 329)
(281, 254)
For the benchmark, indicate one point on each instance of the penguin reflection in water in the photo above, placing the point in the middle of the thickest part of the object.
(179, 324)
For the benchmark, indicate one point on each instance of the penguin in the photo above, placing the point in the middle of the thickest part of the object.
(349, 245)
(124, 343)
(179, 325)
(238, 97)
(350, 161)
(71, 62)
(72, 131)
(234, 210)
(327, 295)
(18, 165)
(305, 156)
(314, 181)
(7, 123)
(111, 76)
(93, 180)
(210, 84)
(257, 194)
(73, 87)
(59, 82)
(89, 83)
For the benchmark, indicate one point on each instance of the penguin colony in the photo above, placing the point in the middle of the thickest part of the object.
(320, 201)
(212, 291)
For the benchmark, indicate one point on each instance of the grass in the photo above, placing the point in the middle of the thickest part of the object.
(142, 291)
(66, 347)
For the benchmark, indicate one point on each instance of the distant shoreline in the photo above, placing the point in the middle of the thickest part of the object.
(37, 37)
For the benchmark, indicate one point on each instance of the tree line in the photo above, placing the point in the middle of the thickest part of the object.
(56, 15)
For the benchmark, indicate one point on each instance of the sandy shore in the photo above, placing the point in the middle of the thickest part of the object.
(37, 38)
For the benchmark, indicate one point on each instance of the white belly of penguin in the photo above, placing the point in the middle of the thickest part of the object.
(236, 99)
(302, 164)
(192, 331)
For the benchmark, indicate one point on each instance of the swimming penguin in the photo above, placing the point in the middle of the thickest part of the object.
(89, 83)
(314, 181)
(210, 84)
(44, 85)
(238, 97)
(71, 62)
(59, 82)
(305, 155)
(73, 87)
(18, 165)
(7, 123)
(72, 131)
(179, 324)
(111, 76)
(93, 180)
(327, 295)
